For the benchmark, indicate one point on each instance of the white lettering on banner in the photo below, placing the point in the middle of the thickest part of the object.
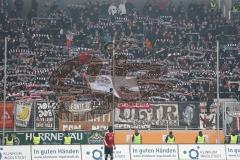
(80, 106)
(159, 115)
(51, 152)
(15, 153)
(96, 152)
(54, 136)
(44, 115)
(69, 127)
(203, 152)
(154, 152)
(232, 152)
(138, 105)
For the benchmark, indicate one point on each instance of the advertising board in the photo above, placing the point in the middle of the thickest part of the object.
(78, 137)
(154, 152)
(232, 152)
(203, 152)
(50, 152)
(96, 152)
(15, 153)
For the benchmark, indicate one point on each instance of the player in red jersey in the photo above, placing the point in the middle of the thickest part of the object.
(109, 144)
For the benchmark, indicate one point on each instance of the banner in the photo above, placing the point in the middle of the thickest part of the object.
(45, 115)
(96, 138)
(15, 153)
(23, 113)
(9, 116)
(203, 152)
(79, 106)
(154, 152)
(80, 137)
(102, 83)
(232, 152)
(78, 116)
(189, 115)
(235, 5)
(232, 115)
(213, 4)
(207, 121)
(137, 105)
(96, 152)
(158, 116)
(50, 152)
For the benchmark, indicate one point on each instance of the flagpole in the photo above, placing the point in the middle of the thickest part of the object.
(113, 69)
(218, 105)
(4, 92)
(219, 4)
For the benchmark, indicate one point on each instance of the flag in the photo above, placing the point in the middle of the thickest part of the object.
(213, 4)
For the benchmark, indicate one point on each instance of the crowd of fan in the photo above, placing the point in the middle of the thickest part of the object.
(181, 37)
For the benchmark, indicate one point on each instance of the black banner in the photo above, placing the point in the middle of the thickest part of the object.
(188, 115)
(158, 116)
(45, 115)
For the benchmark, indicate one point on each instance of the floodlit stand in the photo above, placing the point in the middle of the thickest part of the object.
(218, 97)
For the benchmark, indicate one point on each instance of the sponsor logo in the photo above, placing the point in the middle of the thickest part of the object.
(95, 138)
(193, 153)
(96, 154)
(205, 152)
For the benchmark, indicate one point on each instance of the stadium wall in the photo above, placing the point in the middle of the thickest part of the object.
(158, 137)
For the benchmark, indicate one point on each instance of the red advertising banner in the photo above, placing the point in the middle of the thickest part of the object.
(9, 115)
(137, 105)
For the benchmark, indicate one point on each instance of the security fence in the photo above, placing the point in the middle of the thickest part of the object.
(231, 117)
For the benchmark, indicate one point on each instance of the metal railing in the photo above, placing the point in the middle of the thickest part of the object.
(48, 116)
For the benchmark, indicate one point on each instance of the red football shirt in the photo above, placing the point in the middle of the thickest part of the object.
(109, 139)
